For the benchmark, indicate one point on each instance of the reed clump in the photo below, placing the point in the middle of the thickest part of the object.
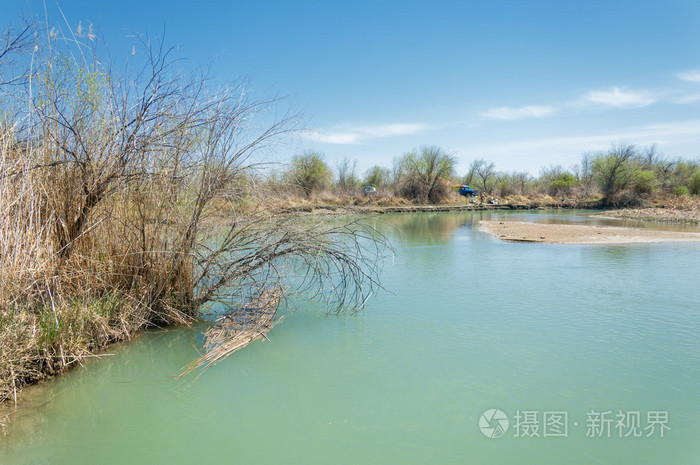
(237, 328)
(130, 200)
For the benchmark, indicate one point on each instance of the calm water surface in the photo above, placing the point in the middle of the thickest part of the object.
(472, 324)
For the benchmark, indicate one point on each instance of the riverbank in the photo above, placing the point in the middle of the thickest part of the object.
(369, 209)
(683, 210)
(662, 215)
(523, 231)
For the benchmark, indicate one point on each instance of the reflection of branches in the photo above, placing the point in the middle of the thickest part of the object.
(428, 228)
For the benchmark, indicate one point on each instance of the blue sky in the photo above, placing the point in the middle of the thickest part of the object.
(525, 84)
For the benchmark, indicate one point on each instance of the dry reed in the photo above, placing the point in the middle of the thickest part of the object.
(132, 201)
(237, 328)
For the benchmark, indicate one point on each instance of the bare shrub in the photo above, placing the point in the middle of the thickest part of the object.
(135, 200)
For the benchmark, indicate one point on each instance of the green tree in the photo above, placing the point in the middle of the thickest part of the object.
(425, 174)
(505, 184)
(645, 181)
(678, 173)
(694, 183)
(564, 183)
(378, 176)
(310, 173)
(615, 171)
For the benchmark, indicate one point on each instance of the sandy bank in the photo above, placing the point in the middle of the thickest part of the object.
(664, 215)
(522, 231)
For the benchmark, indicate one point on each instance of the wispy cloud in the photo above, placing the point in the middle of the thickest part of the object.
(620, 98)
(660, 133)
(511, 113)
(685, 99)
(691, 76)
(357, 134)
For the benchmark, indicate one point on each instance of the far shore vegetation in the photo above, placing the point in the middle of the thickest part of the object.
(139, 198)
(625, 176)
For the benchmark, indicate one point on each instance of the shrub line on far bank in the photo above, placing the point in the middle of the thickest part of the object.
(664, 212)
(329, 209)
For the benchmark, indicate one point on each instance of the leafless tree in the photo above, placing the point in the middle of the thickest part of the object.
(144, 186)
(485, 173)
(521, 180)
(347, 180)
(584, 173)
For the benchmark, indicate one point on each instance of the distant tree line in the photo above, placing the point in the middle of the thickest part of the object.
(624, 175)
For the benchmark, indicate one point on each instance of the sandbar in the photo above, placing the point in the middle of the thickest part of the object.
(524, 231)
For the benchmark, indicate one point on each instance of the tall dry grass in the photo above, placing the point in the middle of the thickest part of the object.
(131, 200)
(80, 269)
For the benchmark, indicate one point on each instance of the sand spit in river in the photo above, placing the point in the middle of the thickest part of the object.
(523, 231)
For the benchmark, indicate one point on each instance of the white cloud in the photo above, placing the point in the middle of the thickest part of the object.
(692, 76)
(661, 133)
(340, 138)
(686, 99)
(619, 98)
(510, 113)
(357, 134)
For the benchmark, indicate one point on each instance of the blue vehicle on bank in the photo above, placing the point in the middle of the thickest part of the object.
(468, 191)
(369, 190)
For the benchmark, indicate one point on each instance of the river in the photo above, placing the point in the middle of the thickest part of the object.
(580, 354)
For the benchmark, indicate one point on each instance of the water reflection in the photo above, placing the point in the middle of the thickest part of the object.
(618, 254)
(434, 228)
(430, 228)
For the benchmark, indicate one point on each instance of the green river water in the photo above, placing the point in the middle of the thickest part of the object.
(590, 353)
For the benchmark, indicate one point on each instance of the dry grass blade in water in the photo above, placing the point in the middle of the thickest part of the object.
(238, 328)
